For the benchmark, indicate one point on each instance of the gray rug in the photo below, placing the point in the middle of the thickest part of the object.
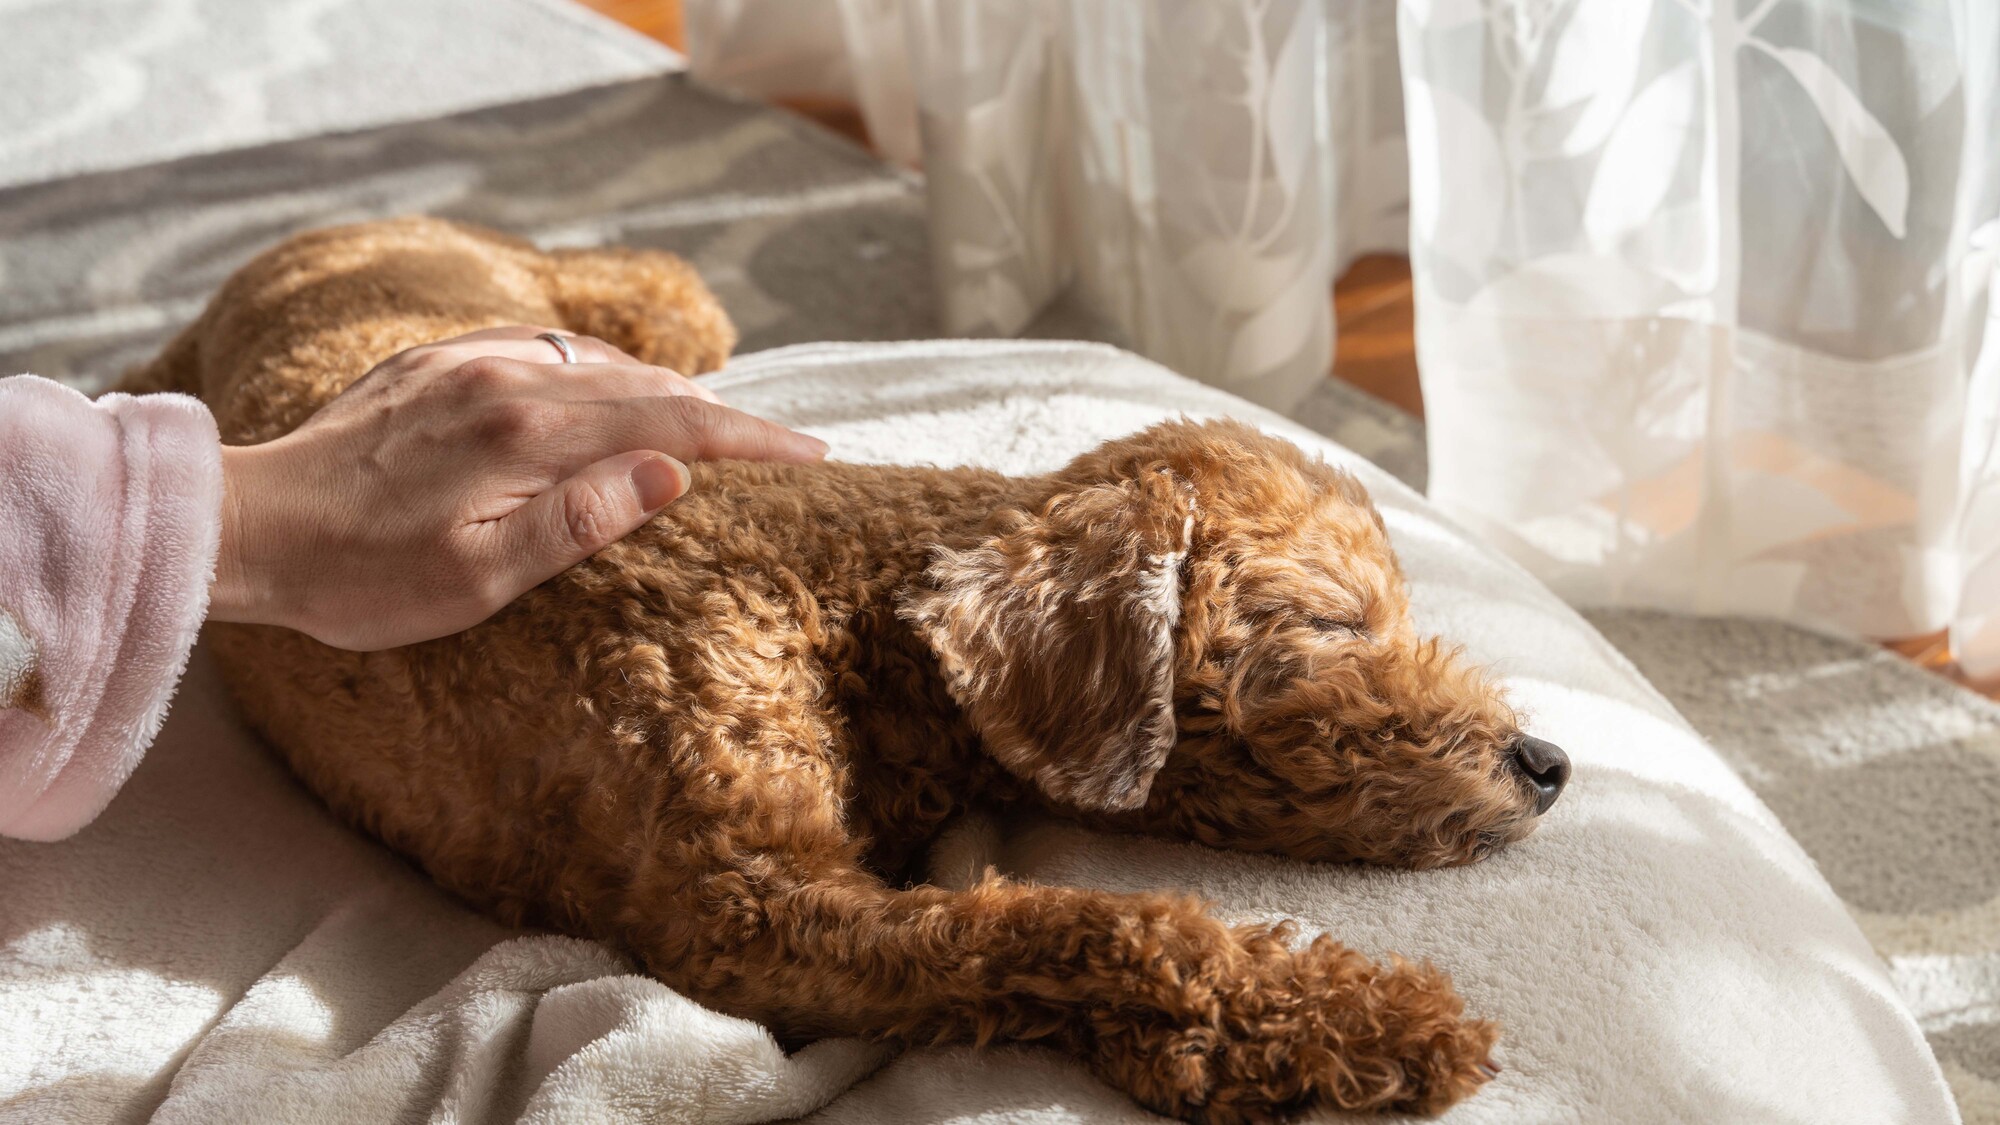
(1888, 776)
(802, 235)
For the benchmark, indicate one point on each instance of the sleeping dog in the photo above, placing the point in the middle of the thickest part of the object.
(723, 744)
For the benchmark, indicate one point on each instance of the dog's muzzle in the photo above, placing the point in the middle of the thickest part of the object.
(1545, 766)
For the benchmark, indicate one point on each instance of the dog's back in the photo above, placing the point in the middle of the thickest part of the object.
(500, 758)
(296, 325)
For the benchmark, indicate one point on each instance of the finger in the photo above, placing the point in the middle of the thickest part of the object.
(528, 349)
(487, 378)
(576, 517)
(591, 352)
(693, 430)
(581, 382)
(521, 341)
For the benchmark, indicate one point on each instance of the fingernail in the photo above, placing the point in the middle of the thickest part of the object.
(658, 480)
(815, 445)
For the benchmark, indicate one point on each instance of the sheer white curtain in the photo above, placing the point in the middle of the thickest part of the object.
(1189, 206)
(1702, 285)
(1703, 289)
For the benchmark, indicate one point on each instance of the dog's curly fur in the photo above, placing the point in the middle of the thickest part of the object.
(722, 744)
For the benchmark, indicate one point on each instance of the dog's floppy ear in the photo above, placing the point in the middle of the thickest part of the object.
(1056, 635)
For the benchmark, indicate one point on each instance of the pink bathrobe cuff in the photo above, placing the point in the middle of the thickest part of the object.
(110, 512)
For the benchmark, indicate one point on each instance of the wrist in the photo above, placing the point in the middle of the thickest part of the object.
(244, 589)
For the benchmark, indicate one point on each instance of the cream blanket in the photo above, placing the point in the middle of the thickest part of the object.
(216, 948)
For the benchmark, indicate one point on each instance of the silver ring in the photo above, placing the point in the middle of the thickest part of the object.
(562, 345)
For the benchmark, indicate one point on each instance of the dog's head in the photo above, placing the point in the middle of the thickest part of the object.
(1204, 632)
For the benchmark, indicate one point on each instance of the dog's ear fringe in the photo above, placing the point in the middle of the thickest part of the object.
(1056, 636)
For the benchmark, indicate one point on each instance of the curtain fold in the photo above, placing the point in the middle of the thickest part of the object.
(1703, 286)
(1167, 165)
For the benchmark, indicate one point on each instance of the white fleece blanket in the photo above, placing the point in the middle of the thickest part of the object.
(215, 947)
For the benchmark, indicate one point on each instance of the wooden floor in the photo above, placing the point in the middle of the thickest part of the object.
(1374, 316)
(660, 19)
(1373, 306)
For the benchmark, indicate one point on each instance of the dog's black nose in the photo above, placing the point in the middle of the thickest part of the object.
(1546, 765)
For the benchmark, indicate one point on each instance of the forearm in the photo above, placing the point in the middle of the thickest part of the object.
(109, 521)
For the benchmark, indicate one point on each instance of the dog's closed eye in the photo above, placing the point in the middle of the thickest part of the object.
(1348, 625)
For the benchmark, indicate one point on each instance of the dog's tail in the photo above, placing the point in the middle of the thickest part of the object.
(645, 302)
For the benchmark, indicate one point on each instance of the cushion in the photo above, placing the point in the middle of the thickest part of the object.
(1659, 951)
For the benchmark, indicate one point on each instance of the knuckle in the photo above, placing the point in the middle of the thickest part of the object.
(588, 516)
(486, 374)
(430, 354)
(684, 418)
(698, 415)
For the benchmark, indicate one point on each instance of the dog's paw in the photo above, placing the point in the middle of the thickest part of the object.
(1395, 1036)
(1322, 1027)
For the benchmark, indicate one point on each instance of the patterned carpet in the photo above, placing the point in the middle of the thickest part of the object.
(87, 85)
(803, 236)
(1888, 776)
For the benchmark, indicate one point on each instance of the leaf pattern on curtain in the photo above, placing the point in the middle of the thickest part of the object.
(1595, 68)
(1871, 157)
(1645, 141)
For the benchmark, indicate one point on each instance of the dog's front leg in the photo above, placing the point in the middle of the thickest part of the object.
(750, 894)
(1191, 1017)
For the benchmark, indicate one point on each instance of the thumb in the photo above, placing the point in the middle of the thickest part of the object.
(595, 507)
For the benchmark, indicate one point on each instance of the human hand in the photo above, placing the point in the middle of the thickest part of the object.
(455, 476)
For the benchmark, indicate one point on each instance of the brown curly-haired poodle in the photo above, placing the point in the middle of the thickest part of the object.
(722, 744)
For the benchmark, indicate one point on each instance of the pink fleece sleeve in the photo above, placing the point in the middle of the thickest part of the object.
(109, 517)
